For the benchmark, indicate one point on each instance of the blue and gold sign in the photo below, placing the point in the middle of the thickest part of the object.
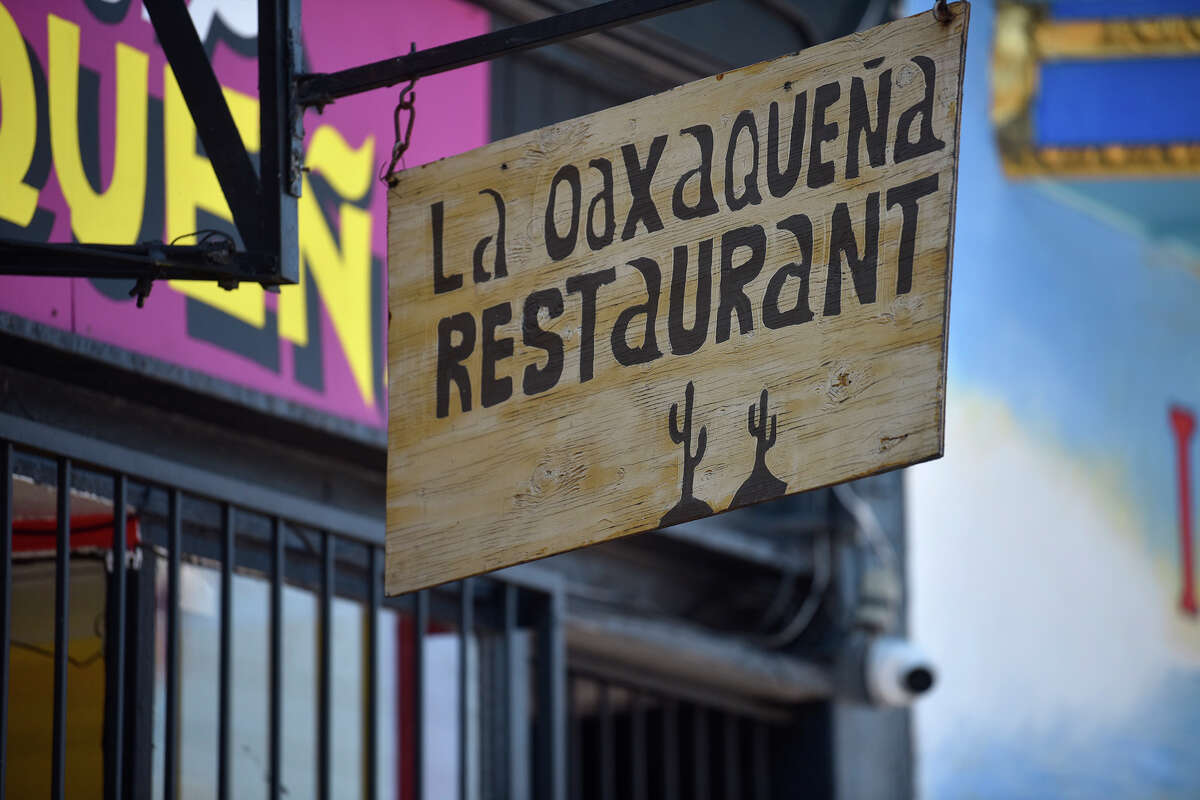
(1085, 89)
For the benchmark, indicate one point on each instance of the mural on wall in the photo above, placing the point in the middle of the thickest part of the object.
(1183, 426)
(1052, 549)
(100, 147)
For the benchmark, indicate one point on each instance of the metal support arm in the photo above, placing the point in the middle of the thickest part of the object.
(282, 130)
(215, 260)
(263, 203)
(323, 88)
(214, 122)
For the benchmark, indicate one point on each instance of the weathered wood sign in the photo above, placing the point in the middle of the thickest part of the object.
(716, 296)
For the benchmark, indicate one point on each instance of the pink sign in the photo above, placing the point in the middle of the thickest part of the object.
(99, 147)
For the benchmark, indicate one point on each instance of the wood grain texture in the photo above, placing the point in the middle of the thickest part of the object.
(558, 458)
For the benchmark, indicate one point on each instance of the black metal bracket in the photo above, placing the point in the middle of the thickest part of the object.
(214, 122)
(320, 89)
(282, 131)
(216, 260)
(263, 202)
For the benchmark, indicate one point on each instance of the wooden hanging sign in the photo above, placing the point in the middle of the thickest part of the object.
(723, 294)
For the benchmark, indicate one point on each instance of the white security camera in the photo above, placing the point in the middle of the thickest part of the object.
(895, 671)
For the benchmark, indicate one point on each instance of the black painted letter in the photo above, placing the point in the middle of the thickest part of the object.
(928, 143)
(642, 209)
(559, 247)
(450, 358)
(780, 183)
(684, 340)
(597, 240)
(588, 286)
(441, 281)
(493, 390)
(539, 379)
(842, 241)
(860, 123)
(800, 227)
(500, 268)
(735, 279)
(906, 197)
(750, 194)
(820, 173)
(648, 350)
(707, 204)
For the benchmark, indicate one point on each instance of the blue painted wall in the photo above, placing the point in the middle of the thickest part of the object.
(1046, 553)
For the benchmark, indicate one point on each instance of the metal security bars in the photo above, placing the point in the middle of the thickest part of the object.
(477, 669)
(168, 528)
(630, 743)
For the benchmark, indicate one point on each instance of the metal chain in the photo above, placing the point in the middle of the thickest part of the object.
(406, 102)
(941, 12)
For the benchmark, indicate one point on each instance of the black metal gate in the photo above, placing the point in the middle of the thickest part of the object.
(189, 523)
(230, 611)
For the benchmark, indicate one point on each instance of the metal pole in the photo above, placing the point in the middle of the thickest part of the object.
(325, 666)
(762, 762)
(575, 715)
(608, 761)
(733, 765)
(552, 700)
(6, 523)
(466, 718)
(62, 615)
(374, 599)
(514, 724)
(670, 732)
(418, 700)
(225, 684)
(637, 747)
(171, 737)
(275, 710)
(700, 771)
(115, 705)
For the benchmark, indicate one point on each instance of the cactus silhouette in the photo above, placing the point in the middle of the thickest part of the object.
(683, 436)
(759, 430)
(688, 506)
(761, 485)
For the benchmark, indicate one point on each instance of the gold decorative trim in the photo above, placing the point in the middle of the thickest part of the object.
(1107, 161)
(1124, 38)
(1014, 74)
(1024, 38)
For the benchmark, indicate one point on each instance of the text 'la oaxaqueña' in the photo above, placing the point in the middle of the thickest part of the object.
(742, 250)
